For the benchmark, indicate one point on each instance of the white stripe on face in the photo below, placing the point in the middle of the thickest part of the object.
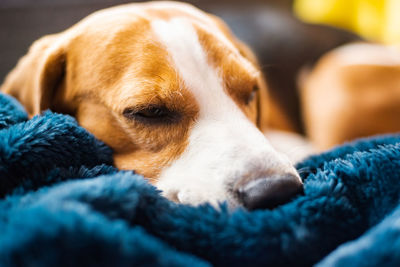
(223, 144)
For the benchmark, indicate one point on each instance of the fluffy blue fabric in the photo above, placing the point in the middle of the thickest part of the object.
(63, 204)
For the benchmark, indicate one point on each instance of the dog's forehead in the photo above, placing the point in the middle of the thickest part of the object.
(199, 63)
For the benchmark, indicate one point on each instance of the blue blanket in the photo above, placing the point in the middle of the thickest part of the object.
(62, 203)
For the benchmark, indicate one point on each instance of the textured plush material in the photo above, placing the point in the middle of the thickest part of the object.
(63, 204)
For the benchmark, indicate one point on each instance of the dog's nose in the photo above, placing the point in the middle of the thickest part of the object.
(269, 192)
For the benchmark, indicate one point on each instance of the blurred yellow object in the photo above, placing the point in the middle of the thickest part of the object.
(377, 20)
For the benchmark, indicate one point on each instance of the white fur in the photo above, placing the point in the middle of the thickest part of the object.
(295, 146)
(202, 20)
(223, 144)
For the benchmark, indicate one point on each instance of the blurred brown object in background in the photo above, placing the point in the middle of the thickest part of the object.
(354, 91)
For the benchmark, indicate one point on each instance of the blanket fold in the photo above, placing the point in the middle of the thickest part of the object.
(64, 204)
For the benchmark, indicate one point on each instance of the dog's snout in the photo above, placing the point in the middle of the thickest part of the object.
(269, 192)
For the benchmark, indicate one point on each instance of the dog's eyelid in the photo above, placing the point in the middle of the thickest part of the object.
(144, 108)
(252, 94)
(150, 114)
(138, 108)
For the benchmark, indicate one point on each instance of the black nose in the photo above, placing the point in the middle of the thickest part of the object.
(269, 192)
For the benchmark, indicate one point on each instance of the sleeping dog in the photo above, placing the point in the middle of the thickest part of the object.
(176, 96)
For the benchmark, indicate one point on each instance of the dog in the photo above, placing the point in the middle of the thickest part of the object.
(177, 97)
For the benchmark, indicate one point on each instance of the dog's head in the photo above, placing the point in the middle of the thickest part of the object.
(175, 95)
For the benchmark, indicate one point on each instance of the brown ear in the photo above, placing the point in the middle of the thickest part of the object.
(37, 74)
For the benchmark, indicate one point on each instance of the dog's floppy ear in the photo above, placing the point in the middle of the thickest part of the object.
(37, 74)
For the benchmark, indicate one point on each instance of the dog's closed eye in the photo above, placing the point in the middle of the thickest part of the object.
(151, 114)
(252, 95)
